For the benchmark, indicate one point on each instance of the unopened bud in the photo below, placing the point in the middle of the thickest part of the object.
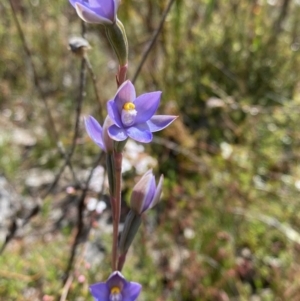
(145, 194)
(117, 37)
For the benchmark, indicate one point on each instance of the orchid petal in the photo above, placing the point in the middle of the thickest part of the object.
(158, 192)
(131, 291)
(140, 133)
(149, 194)
(143, 193)
(94, 130)
(89, 16)
(73, 2)
(107, 141)
(105, 8)
(100, 291)
(114, 114)
(116, 133)
(146, 105)
(159, 122)
(128, 290)
(125, 93)
(116, 279)
(116, 5)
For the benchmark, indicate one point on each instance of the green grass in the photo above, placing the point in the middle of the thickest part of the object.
(247, 150)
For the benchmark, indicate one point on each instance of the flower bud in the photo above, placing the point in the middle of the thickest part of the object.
(145, 194)
(117, 37)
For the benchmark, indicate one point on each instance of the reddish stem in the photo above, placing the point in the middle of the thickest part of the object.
(121, 76)
(116, 206)
(121, 261)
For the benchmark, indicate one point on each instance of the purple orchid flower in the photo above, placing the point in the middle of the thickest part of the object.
(98, 134)
(146, 194)
(116, 288)
(97, 11)
(133, 117)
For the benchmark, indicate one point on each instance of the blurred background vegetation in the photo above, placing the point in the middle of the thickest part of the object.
(228, 225)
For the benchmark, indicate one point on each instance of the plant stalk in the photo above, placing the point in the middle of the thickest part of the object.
(116, 205)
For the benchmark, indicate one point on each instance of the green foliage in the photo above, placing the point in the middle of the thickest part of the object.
(227, 227)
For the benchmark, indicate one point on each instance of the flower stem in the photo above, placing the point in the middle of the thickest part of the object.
(121, 76)
(116, 205)
(121, 261)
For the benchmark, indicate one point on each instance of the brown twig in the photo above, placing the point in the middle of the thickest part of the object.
(82, 85)
(51, 124)
(182, 150)
(80, 222)
(66, 288)
(94, 80)
(153, 40)
(68, 157)
(277, 27)
(53, 133)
